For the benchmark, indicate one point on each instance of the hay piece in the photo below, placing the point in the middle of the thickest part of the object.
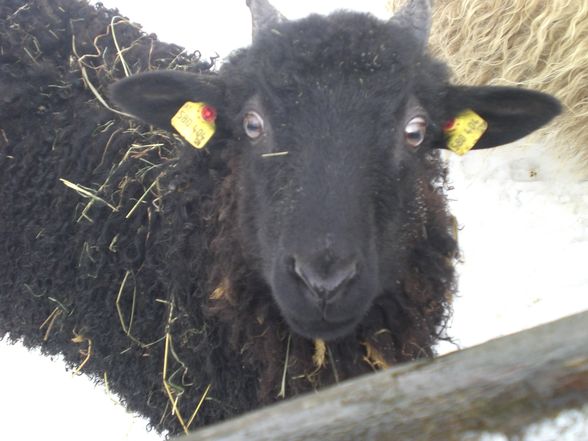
(142, 198)
(195, 413)
(86, 193)
(373, 357)
(320, 354)
(87, 353)
(282, 393)
(49, 322)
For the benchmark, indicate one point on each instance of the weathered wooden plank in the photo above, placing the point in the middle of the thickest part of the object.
(500, 386)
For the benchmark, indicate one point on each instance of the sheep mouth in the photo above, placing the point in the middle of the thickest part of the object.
(323, 329)
(326, 305)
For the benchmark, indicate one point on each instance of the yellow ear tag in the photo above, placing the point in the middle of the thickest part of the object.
(195, 122)
(464, 131)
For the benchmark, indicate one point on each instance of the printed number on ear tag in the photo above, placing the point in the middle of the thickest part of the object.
(465, 131)
(195, 122)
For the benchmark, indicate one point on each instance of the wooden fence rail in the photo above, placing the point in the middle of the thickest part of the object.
(500, 386)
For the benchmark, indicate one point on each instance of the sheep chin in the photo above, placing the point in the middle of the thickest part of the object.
(323, 329)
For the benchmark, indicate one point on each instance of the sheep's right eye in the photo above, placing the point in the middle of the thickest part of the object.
(253, 125)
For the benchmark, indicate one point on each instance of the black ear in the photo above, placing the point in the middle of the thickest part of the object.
(155, 97)
(511, 113)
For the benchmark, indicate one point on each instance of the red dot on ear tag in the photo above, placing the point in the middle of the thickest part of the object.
(208, 113)
(449, 125)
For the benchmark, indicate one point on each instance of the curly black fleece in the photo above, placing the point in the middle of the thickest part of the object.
(172, 238)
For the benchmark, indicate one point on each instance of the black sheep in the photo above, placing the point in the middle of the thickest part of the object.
(309, 241)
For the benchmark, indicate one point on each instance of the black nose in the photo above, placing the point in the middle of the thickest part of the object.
(326, 280)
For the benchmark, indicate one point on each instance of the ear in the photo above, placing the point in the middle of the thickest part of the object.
(511, 113)
(155, 97)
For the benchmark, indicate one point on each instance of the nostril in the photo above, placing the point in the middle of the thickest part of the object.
(325, 281)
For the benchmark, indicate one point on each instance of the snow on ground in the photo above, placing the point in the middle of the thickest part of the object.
(41, 401)
(524, 243)
(524, 240)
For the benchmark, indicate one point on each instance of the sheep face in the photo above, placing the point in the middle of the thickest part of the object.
(335, 151)
(334, 122)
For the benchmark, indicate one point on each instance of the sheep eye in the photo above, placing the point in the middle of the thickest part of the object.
(253, 125)
(415, 131)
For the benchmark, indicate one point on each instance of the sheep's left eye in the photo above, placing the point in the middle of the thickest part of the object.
(415, 131)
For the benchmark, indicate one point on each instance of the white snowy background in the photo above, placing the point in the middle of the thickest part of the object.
(524, 246)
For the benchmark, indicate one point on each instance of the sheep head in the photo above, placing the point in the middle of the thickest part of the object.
(336, 122)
